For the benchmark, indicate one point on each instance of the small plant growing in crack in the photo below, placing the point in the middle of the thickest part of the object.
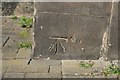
(86, 64)
(14, 17)
(24, 45)
(111, 69)
(26, 22)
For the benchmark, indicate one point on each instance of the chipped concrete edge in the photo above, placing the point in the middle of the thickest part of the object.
(0, 40)
(34, 19)
(106, 36)
(59, 0)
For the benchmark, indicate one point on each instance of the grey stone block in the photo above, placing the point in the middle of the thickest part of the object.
(90, 35)
(70, 67)
(56, 69)
(13, 75)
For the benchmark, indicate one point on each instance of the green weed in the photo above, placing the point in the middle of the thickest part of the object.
(111, 69)
(25, 22)
(86, 64)
(14, 17)
(24, 45)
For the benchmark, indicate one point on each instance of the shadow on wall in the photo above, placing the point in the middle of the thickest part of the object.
(8, 8)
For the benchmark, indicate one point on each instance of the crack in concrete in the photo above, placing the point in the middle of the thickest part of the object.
(49, 69)
(33, 45)
(6, 41)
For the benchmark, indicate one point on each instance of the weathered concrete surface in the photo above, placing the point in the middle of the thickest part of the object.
(118, 31)
(69, 65)
(9, 50)
(43, 75)
(5, 65)
(14, 75)
(11, 36)
(81, 8)
(68, 69)
(83, 24)
(113, 49)
(21, 66)
(24, 54)
(17, 8)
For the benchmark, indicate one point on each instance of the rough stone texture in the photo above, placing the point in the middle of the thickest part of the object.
(25, 8)
(23, 54)
(8, 8)
(14, 75)
(83, 24)
(17, 8)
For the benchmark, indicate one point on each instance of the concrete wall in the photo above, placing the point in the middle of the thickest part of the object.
(91, 30)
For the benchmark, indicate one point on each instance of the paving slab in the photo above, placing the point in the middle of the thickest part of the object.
(105, 63)
(9, 56)
(24, 54)
(18, 35)
(84, 34)
(21, 66)
(8, 27)
(4, 39)
(9, 50)
(43, 75)
(70, 67)
(56, 69)
(14, 30)
(5, 65)
(13, 75)
(48, 62)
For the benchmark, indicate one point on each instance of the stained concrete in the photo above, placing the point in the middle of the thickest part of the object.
(82, 24)
(113, 48)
